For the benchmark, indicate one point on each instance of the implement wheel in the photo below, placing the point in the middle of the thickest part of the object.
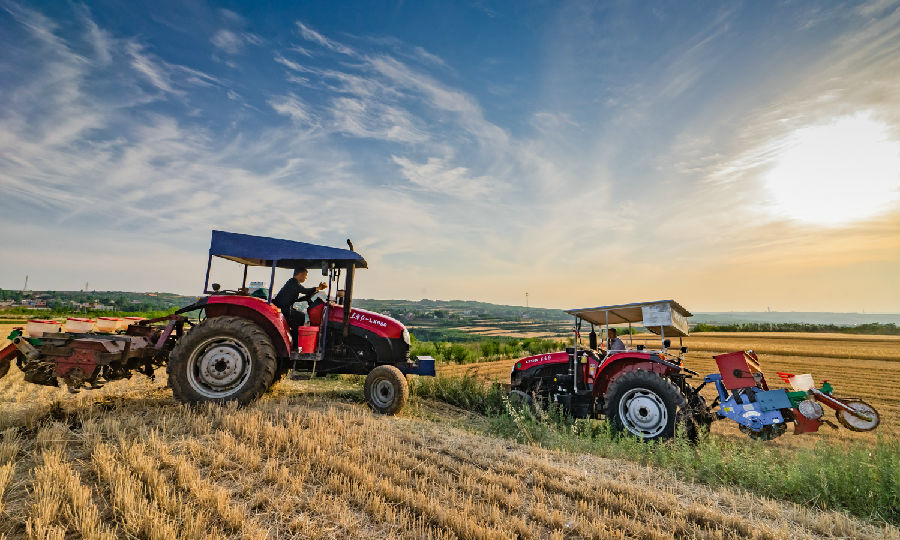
(857, 424)
(644, 404)
(4, 367)
(386, 390)
(222, 359)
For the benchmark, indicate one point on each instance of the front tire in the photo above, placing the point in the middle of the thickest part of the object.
(222, 359)
(386, 390)
(644, 404)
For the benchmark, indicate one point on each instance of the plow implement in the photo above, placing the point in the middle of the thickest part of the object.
(91, 359)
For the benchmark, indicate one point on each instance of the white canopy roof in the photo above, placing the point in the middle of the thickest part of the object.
(673, 323)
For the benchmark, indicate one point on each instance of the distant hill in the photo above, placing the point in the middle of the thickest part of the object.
(459, 309)
(124, 301)
(506, 312)
(804, 317)
(441, 309)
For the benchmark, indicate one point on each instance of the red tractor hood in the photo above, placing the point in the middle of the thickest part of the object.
(541, 359)
(380, 324)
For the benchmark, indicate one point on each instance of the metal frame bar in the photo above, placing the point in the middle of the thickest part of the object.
(323, 324)
(208, 268)
(244, 281)
(272, 282)
(575, 355)
(348, 298)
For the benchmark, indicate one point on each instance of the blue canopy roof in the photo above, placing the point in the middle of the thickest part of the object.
(264, 251)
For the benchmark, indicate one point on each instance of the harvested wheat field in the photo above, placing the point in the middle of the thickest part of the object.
(310, 461)
(303, 463)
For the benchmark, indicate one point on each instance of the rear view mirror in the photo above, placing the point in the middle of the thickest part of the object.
(216, 287)
(592, 340)
(667, 343)
(640, 347)
(683, 350)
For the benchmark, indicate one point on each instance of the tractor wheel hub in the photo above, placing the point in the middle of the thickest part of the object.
(383, 393)
(219, 366)
(643, 412)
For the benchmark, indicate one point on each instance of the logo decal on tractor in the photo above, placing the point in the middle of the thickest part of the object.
(363, 318)
(537, 360)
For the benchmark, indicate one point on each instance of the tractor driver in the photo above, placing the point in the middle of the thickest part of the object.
(613, 343)
(292, 292)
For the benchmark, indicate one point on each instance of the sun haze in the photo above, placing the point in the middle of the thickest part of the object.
(736, 156)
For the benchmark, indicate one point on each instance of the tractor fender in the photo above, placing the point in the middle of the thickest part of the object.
(620, 364)
(267, 316)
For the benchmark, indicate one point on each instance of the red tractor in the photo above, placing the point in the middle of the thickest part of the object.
(242, 344)
(648, 393)
(644, 392)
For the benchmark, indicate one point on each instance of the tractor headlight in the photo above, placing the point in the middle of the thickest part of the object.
(406, 336)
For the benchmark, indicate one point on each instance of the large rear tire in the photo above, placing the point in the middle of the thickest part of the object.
(222, 359)
(280, 373)
(386, 390)
(644, 404)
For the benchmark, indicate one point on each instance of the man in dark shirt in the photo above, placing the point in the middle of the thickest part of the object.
(292, 292)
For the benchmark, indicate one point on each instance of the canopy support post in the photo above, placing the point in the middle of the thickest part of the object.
(208, 268)
(323, 324)
(272, 281)
(575, 365)
(607, 331)
(244, 281)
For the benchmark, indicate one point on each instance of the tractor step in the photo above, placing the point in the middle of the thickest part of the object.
(300, 375)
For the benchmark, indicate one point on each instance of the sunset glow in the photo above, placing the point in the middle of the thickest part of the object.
(837, 172)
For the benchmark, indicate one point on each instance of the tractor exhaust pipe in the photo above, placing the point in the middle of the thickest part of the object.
(348, 298)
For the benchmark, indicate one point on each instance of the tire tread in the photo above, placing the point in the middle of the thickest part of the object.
(652, 381)
(254, 338)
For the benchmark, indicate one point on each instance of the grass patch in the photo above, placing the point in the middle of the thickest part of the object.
(464, 392)
(860, 478)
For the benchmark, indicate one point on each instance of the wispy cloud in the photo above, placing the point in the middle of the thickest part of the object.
(232, 42)
(292, 107)
(434, 175)
(153, 71)
(314, 36)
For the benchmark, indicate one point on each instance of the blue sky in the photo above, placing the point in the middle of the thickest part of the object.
(731, 155)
